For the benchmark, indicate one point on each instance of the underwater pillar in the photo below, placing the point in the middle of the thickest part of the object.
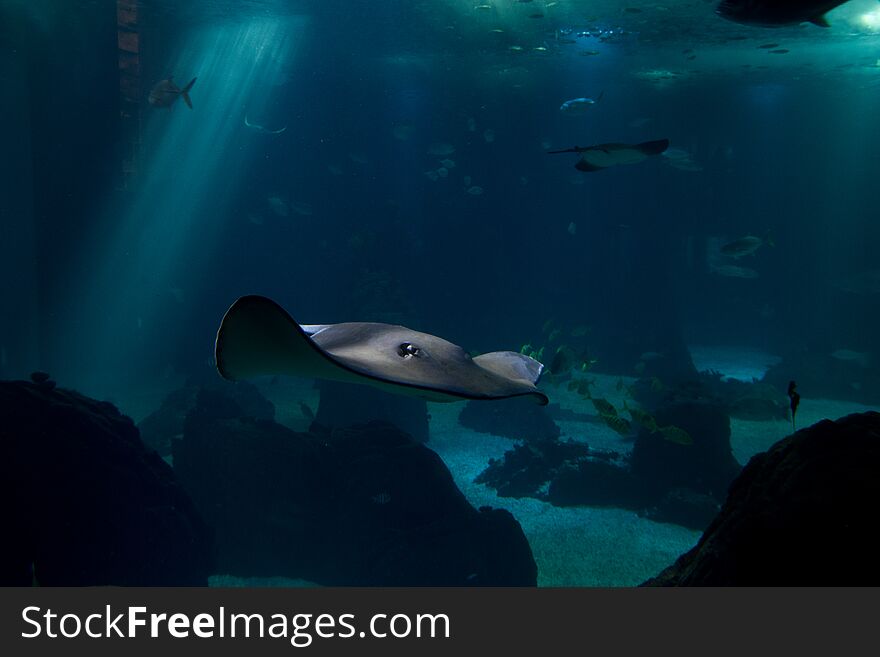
(19, 334)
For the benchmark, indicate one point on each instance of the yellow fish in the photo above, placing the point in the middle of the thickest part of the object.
(676, 435)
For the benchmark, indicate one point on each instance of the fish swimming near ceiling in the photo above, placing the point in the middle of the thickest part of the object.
(258, 337)
(744, 246)
(602, 156)
(256, 127)
(165, 93)
(579, 106)
(775, 13)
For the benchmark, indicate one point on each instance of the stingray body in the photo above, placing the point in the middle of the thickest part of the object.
(775, 13)
(258, 337)
(602, 156)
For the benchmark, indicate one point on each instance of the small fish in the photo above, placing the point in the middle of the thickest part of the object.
(536, 15)
(588, 53)
(516, 49)
(489, 135)
(381, 498)
(256, 127)
(657, 384)
(579, 331)
(572, 228)
(579, 106)
(554, 334)
(467, 181)
(306, 411)
(164, 93)
(603, 406)
(642, 418)
(651, 355)
(304, 209)
(676, 435)
(618, 424)
(780, 51)
(335, 169)
(794, 400)
(279, 206)
(432, 175)
(639, 368)
(768, 46)
(547, 326)
(447, 163)
(443, 172)
(745, 246)
(475, 190)
(848, 355)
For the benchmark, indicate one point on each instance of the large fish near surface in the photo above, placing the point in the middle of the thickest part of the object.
(602, 156)
(774, 13)
(579, 106)
(165, 93)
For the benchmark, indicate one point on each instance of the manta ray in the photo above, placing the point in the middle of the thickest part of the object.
(602, 156)
(258, 337)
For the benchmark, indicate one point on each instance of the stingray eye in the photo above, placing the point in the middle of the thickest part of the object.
(408, 350)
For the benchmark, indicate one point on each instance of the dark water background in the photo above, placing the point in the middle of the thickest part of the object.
(112, 282)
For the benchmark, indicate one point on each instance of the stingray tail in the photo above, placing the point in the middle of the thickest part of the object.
(576, 149)
(185, 93)
(653, 147)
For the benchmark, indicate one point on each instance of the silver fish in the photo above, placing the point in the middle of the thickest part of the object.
(165, 93)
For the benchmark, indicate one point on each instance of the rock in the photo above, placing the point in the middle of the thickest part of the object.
(85, 501)
(344, 405)
(527, 468)
(240, 399)
(594, 482)
(708, 466)
(685, 507)
(518, 418)
(801, 514)
(363, 506)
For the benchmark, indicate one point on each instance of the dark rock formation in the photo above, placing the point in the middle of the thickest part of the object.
(662, 480)
(343, 405)
(754, 400)
(360, 506)
(685, 507)
(528, 467)
(801, 514)
(85, 502)
(594, 482)
(163, 425)
(707, 466)
(518, 418)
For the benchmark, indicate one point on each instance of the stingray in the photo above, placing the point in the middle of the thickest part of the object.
(258, 337)
(602, 156)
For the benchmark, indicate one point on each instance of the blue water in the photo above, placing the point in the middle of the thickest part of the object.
(127, 229)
